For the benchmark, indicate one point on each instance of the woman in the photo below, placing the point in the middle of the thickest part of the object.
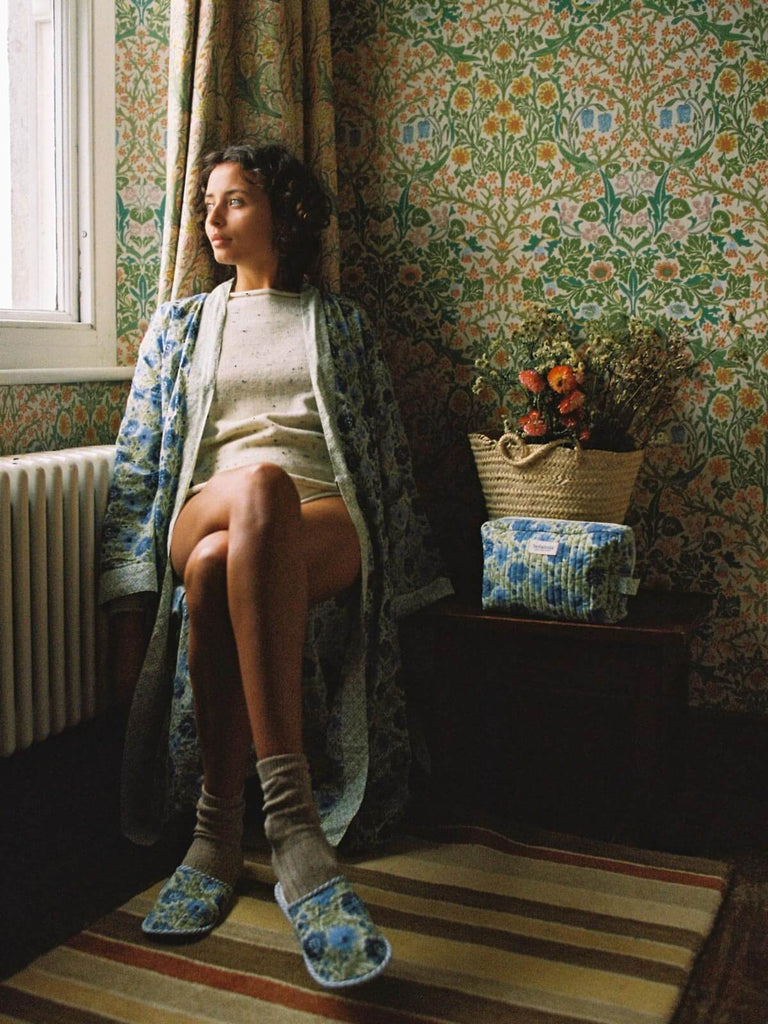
(263, 491)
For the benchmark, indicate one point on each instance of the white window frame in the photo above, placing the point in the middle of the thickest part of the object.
(60, 346)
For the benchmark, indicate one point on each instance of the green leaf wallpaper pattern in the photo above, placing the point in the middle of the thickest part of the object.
(592, 155)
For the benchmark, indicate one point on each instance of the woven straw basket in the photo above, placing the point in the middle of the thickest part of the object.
(550, 481)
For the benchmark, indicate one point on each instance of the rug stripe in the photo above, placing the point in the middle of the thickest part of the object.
(664, 952)
(560, 952)
(662, 867)
(190, 967)
(251, 921)
(98, 1001)
(460, 998)
(656, 961)
(461, 959)
(603, 876)
(573, 917)
(475, 886)
(162, 998)
(528, 971)
(425, 915)
(34, 1009)
(658, 905)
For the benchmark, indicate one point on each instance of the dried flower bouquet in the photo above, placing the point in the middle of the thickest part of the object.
(606, 383)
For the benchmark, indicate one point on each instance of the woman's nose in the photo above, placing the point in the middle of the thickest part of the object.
(215, 214)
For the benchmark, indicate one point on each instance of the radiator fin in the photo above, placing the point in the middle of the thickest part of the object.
(52, 651)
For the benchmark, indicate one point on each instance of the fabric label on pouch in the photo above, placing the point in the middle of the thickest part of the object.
(540, 546)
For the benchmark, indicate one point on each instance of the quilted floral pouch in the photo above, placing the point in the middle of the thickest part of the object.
(558, 568)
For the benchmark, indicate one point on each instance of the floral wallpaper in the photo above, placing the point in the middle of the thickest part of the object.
(593, 155)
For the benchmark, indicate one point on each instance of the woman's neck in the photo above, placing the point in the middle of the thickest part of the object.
(253, 278)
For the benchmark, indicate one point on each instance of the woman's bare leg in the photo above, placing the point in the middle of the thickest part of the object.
(248, 551)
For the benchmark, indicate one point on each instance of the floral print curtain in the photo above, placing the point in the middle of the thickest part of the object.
(255, 70)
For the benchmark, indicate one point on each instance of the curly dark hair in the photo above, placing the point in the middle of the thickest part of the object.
(300, 206)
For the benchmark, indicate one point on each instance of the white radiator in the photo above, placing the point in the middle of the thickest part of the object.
(52, 649)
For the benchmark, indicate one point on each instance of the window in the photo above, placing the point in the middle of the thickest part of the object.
(57, 184)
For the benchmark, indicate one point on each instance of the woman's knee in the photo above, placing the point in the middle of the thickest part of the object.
(205, 574)
(270, 499)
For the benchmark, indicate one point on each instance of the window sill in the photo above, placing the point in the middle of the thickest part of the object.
(66, 375)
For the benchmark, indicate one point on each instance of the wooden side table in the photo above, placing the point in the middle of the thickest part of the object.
(475, 675)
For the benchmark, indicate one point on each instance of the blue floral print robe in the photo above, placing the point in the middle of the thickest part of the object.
(355, 724)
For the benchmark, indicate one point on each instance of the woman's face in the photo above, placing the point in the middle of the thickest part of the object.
(238, 220)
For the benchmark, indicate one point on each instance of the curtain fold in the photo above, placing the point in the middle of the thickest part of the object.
(242, 70)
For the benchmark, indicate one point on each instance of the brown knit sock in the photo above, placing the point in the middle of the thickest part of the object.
(301, 855)
(217, 844)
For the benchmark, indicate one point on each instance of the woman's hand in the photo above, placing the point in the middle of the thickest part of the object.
(128, 645)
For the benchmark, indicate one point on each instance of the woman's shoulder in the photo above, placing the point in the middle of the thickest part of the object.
(181, 309)
(344, 307)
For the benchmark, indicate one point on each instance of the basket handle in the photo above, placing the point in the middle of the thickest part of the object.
(507, 444)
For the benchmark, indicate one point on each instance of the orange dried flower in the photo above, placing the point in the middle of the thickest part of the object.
(571, 402)
(561, 379)
(532, 381)
(533, 424)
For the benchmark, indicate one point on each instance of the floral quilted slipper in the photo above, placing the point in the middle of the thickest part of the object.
(189, 905)
(339, 941)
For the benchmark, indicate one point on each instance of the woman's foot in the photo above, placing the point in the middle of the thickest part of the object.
(197, 895)
(340, 944)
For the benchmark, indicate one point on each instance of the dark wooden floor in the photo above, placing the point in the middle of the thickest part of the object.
(63, 862)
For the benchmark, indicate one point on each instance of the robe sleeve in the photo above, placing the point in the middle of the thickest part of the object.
(129, 563)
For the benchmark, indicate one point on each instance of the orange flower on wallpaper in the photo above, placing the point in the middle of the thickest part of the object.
(754, 437)
(410, 275)
(666, 270)
(462, 99)
(749, 398)
(756, 70)
(515, 124)
(521, 86)
(601, 271)
(721, 408)
(546, 152)
(547, 94)
(726, 143)
(760, 109)
(460, 156)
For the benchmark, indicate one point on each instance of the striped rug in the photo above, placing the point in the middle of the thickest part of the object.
(485, 928)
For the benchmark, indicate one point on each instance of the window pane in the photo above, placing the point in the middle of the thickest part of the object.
(28, 254)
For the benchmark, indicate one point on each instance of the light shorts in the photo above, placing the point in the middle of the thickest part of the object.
(309, 490)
